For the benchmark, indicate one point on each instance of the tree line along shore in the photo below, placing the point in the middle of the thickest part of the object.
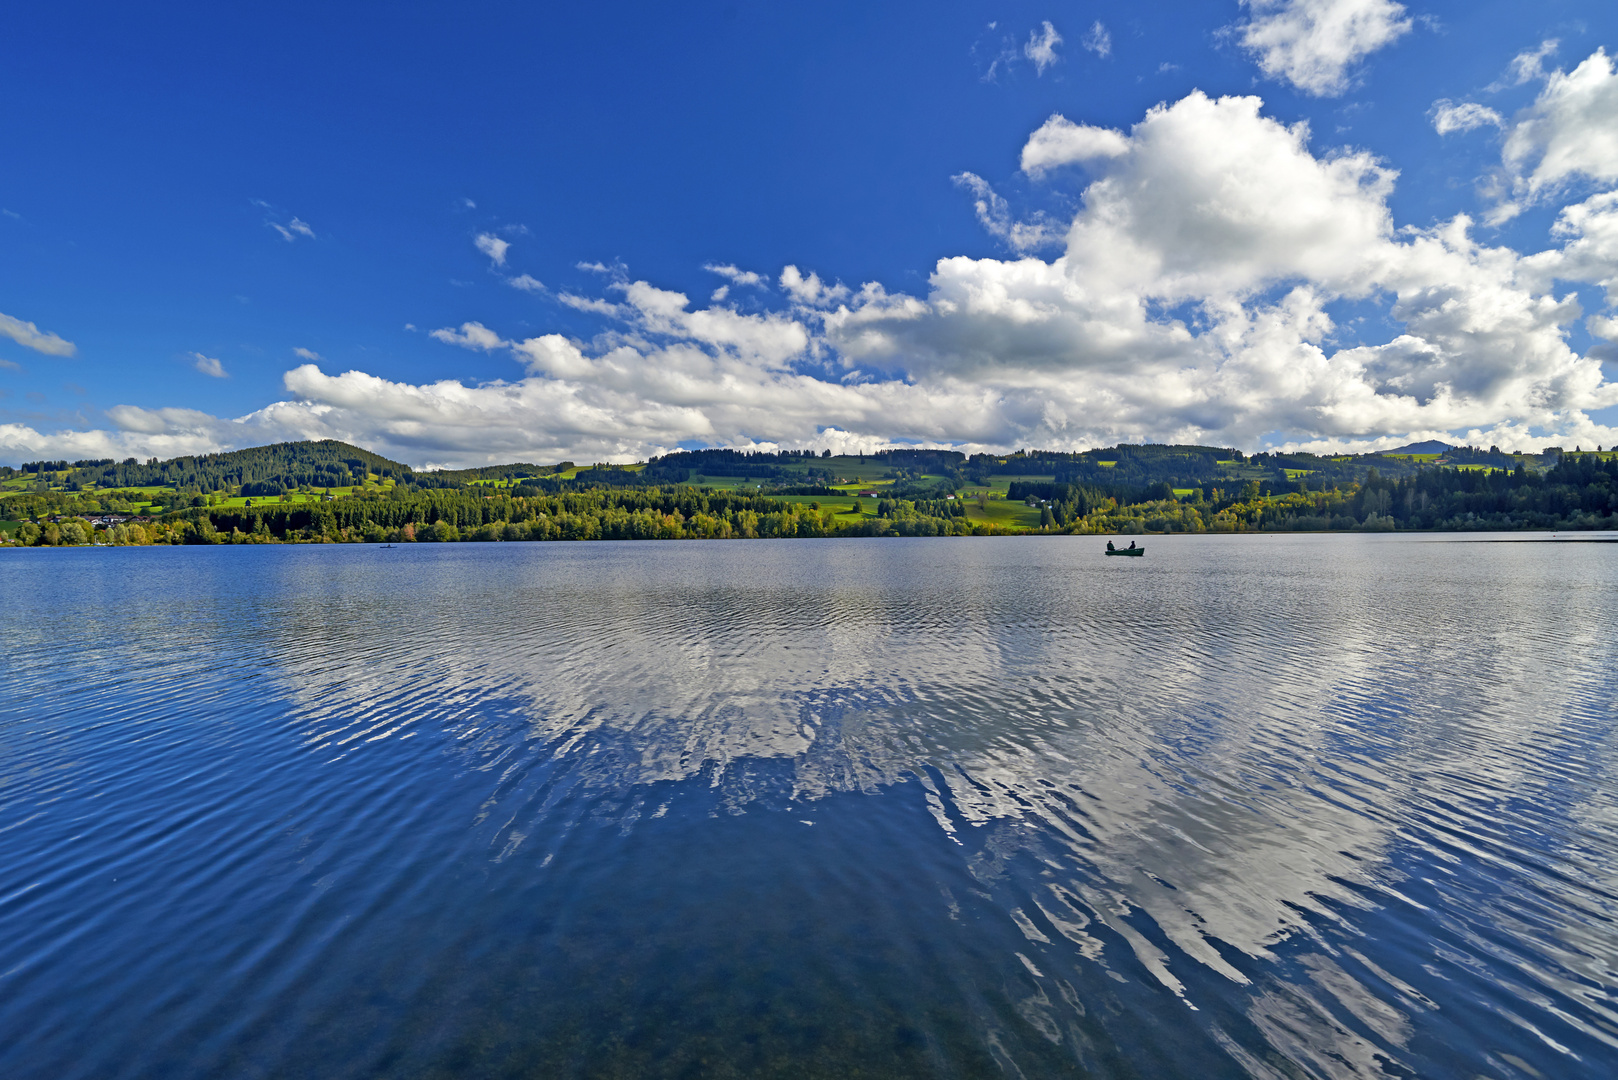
(276, 495)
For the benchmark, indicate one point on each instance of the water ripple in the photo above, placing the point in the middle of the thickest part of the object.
(1263, 806)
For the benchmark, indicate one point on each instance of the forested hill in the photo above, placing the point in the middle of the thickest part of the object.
(258, 471)
(331, 490)
(267, 471)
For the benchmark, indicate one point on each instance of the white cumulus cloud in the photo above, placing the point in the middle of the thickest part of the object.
(471, 335)
(1314, 44)
(1194, 300)
(1527, 66)
(1449, 116)
(809, 289)
(1589, 251)
(1059, 141)
(1207, 288)
(30, 336)
(1569, 133)
(492, 246)
(208, 365)
(737, 276)
(136, 432)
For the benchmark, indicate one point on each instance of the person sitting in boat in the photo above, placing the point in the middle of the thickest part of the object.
(1132, 545)
(1110, 547)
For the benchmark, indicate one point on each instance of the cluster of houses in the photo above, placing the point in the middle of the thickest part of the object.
(107, 521)
(99, 521)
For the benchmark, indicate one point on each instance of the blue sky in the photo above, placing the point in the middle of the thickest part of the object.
(467, 233)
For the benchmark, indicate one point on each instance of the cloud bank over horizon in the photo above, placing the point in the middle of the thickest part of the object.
(1219, 281)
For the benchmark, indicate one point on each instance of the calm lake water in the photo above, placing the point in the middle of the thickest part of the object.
(1267, 806)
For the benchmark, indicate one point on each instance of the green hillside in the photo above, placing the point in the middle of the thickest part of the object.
(331, 490)
(260, 470)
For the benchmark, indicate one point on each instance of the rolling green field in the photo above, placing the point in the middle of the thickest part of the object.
(572, 473)
(1000, 486)
(726, 483)
(998, 511)
(851, 470)
(241, 502)
(1001, 512)
(843, 504)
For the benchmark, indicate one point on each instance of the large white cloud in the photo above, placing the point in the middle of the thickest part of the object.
(1569, 133)
(136, 432)
(1211, 287)
(1193, 301)
(1314, 44)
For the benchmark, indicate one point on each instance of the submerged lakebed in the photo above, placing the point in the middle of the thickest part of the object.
(1268, 806)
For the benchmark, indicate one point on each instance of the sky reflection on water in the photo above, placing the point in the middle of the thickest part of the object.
(1265, 806)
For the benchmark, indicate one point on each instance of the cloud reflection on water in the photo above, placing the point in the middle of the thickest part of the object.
(1236, 748)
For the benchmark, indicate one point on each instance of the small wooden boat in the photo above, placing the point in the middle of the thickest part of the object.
(1130, 550)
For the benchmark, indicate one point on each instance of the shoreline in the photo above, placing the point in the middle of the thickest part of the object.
(1592, 536)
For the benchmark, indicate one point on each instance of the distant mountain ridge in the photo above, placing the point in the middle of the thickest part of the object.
(1431, 446)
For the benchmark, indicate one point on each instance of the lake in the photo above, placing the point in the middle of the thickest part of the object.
(1252, 806)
